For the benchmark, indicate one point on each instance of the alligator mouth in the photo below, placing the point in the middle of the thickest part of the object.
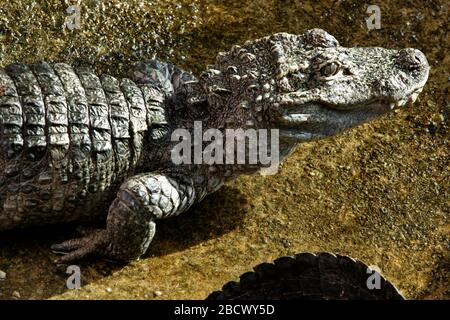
(301, 114)
(317, 120)
(410, 99)
(393, 104)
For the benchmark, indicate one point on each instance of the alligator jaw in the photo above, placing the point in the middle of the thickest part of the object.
(410, 99)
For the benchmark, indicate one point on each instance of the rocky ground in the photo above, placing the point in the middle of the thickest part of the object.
(379, 193)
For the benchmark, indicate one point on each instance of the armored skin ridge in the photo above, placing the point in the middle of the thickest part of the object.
(66, 135)
(81, 147)
(308, 276)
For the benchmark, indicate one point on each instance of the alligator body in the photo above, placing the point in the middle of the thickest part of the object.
(76, 146)
(308, 276)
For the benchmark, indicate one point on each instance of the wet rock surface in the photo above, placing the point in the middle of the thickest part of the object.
(379, 193)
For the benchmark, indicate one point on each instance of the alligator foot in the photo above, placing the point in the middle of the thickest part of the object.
(92, 242)
(130, 225)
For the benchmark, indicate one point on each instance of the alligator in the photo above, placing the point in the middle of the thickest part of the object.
(77, 147)
(309, 276)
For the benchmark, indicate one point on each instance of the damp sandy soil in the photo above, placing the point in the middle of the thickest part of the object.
(379, 193)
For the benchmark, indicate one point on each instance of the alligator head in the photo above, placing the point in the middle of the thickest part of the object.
(308, 86)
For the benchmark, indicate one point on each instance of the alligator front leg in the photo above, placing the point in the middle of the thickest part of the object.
(130, 226)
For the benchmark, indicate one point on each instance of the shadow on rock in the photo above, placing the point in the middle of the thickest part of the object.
(27, 260)
(218, 214)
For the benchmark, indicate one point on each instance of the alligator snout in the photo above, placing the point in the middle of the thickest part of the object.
(411, 59)
(404, 85)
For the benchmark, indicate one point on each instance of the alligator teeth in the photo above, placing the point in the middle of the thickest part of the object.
(413, 97)
(401, 103)
(392, 105)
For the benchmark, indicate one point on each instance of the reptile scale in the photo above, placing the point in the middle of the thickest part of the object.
(80, 147)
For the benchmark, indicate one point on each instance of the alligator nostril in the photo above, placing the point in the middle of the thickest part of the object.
(410, 59)
(418, 58)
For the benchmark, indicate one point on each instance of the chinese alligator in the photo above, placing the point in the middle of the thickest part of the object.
(74, 144)
(308, 276)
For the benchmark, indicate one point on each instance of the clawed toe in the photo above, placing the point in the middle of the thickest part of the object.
(69, 245)
(92, 243)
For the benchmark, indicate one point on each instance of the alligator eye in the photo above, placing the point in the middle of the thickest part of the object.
(330, 69)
